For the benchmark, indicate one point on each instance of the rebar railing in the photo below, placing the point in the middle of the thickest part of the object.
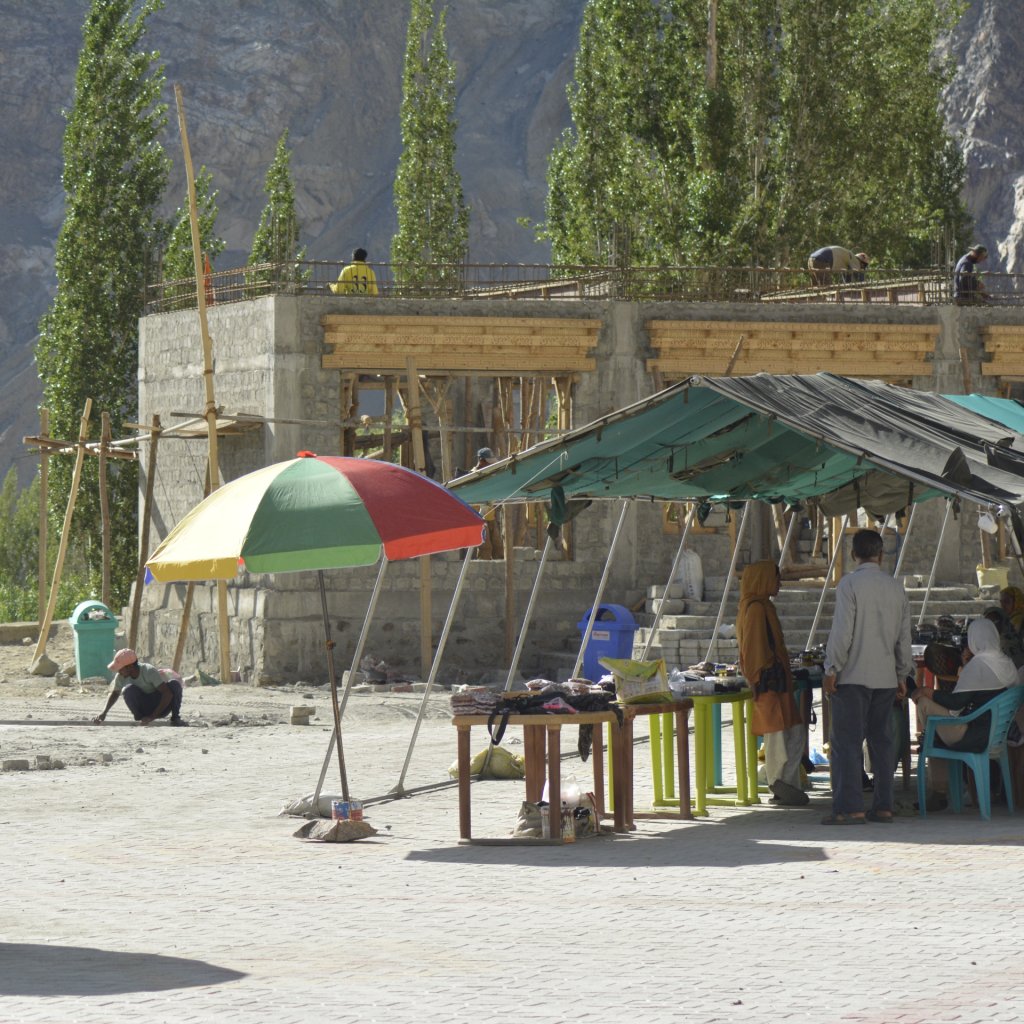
(547, 281)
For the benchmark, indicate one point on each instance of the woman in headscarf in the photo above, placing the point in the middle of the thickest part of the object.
(764, 663)
(985, 675)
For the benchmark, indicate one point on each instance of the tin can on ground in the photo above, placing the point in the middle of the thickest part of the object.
(568, 825)
(355, 810)
(341, 810)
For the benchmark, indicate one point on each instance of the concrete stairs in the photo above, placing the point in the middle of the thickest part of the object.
(684, 631)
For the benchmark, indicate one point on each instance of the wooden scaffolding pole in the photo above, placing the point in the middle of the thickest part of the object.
(144, 526)
(38, 665)
(211, 406)
(44, 519)
(105, 439)
(414, 418)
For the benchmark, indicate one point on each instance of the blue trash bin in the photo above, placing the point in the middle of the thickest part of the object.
(611, 637)
(94, 625)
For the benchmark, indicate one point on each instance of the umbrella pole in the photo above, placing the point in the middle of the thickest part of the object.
(399, 788)
(600, 590)
(529, 613)
(329, 644)
(671, 576)
(340, 711)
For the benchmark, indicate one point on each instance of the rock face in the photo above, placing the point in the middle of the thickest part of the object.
(331, 73)
(983, 106)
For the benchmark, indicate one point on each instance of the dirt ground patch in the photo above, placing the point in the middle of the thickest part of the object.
(52, 717)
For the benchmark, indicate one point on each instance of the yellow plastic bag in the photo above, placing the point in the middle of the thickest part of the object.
(639, 682)
(493, 763)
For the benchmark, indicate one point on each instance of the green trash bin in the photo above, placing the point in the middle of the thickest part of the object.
(94, 625)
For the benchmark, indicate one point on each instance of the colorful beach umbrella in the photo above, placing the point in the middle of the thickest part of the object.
(315, 512)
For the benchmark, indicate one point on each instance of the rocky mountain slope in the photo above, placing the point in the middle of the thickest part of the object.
(330, 72)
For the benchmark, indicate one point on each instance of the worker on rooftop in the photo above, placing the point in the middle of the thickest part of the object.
(832, 260)
(357, 278)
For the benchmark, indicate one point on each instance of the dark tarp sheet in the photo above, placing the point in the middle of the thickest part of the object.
(771, 437)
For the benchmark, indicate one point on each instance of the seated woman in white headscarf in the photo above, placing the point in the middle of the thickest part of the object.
(985, 674)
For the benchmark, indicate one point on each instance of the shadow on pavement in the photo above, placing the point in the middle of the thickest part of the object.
(39, 970)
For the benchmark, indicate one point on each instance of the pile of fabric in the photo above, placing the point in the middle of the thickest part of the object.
(475, 700)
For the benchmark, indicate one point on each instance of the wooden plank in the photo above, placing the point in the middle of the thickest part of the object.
(448, 344)
(758, 336)
(727, 343)
(850, 368)
(524, 323)
(480, 363)
(746, 326)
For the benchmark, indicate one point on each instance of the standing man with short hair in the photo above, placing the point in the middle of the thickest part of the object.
(357, 278)
(867, 660)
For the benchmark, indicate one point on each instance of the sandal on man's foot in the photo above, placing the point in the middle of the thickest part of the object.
(879, 817)
(843, 819)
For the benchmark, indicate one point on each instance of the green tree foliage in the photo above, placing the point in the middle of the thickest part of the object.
(433, 219)
(19, 557)
(179, 262)
(820, 124)
(115, 172)
(275, 244)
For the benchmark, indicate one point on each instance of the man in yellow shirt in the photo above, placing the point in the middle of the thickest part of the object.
(357, 278)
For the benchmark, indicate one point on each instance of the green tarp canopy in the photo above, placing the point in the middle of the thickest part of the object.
(847, 443)
(1002, 410)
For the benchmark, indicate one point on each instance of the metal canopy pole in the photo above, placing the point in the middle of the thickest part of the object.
(935, 560)
(549, 544)
(903, 543)
(728, 578)
(824, 587)
(671, 576)
(399, 788)
(789, 536)
(600, 591)
(340, 710)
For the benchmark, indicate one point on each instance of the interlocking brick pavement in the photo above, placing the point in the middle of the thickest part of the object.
(165, 887)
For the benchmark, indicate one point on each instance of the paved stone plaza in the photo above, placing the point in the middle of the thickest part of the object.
(152, 880)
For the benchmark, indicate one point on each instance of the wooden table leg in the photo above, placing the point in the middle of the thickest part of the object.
(533, 754)
(465, 813)
(683, 756)
(627, 777)
(597, 753)
(554, 730)
(618, 776)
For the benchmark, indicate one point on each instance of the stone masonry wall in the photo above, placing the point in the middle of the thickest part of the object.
(267, 361)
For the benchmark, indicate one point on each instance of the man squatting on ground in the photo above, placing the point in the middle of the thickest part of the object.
(867, 660)
(149, 692)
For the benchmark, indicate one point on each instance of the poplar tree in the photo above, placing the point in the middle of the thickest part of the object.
(795, 125)
(115, 172)
(433, 220)
(276, 241)
(179, 260)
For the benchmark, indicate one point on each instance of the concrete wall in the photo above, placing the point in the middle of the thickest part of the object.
(267, 361)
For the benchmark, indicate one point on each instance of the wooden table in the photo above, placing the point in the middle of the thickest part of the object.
(677, 711)
(542, 743)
